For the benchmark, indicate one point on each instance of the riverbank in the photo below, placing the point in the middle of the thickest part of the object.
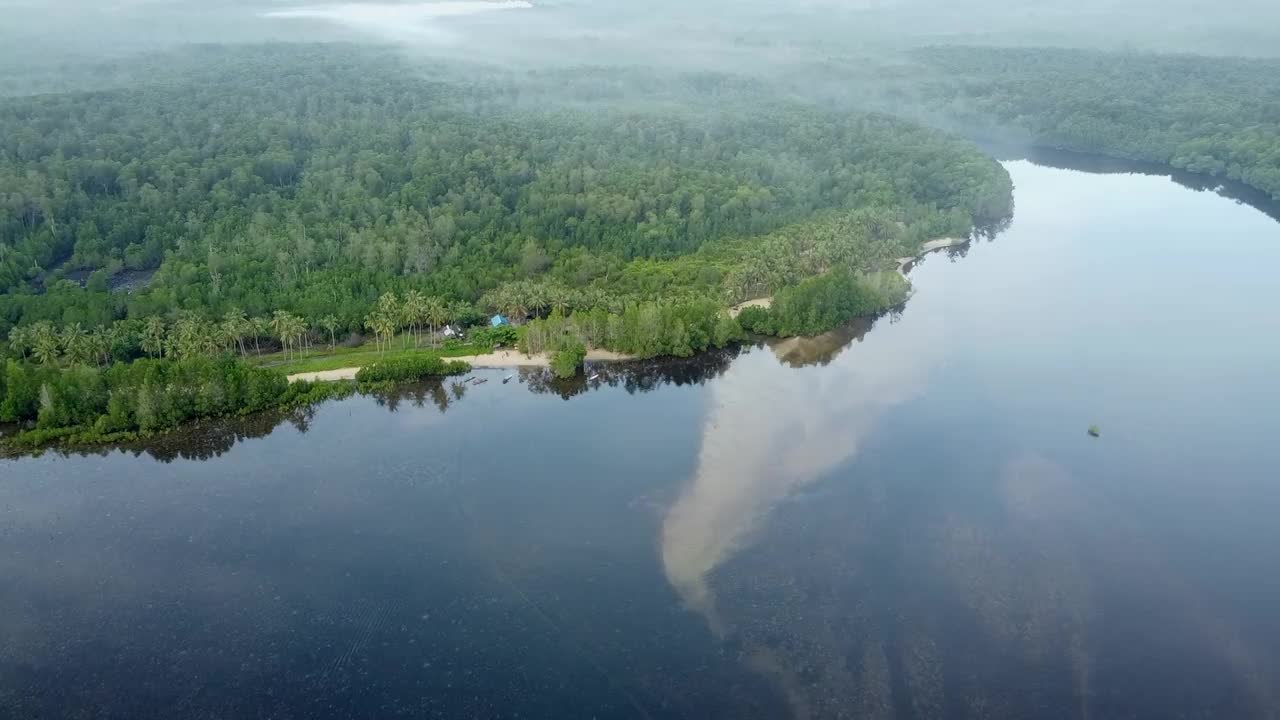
(498, 359)
(904, 266)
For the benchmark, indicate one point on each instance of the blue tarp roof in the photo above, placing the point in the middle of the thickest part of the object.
(497, 320)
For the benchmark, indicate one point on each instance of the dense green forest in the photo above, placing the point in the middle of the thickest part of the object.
(1215, 116)
(88, 404)
(824, 302)
(302, 180)
(282, 197)
(285, 197)
(311, 184)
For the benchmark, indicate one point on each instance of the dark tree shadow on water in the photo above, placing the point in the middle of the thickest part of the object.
(1103, 165)
(640, 376)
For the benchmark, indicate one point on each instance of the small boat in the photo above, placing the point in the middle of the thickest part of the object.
(593, 377)
(507, 379)
(479, 381)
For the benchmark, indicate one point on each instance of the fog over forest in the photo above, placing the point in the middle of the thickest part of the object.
(713, 34)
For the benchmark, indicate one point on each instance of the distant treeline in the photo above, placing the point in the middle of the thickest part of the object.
(1216, 116)
(149, 396)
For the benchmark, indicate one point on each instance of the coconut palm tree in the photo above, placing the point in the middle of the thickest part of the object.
(189, 336)
(290, 329)
(330, 323)
(492, 300)
(436, 314)
(301, 334)
(389, 309)
(115, 335)
(20, 340)
(259, 327)
(537, 298)
(73, 344)
(372, 325)
(281, 325)
(383, 326)
(560, 298)
(98, 345)
(154, 334)
(234, 327)
(461, 311)
(46, 345)
(414, 312)
(515, 302)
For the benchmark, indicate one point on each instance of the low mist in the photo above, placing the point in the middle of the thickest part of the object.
(717, 35)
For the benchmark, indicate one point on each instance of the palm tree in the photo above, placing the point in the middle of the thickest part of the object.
(73, 344)
(234, 327)
(259, 327)
(511, 302)
(384, 327)
(290, 329)
(437, 314)
(20, 340)
(560, 298)
(330, 323)
(46, 345)
(389, 310)
(153, 336)
(114, 335)
(536, 297)
(414, 311)
(209, 340)
(281, 324)
(372, 324)
(300, 332)
(460, 311)
(189, 336)
(593, 298)
(98, 345)
(493, 300)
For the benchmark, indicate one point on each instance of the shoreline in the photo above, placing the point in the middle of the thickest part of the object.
(491, 361)
(516, 359)
(905, 264)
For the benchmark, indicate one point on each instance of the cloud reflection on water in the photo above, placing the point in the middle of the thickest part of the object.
(770, 433)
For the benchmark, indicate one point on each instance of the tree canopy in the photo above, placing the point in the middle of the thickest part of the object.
(302, 180)
(1214, 116)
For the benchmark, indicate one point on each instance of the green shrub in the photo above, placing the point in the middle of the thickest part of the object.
(492, 337)
(756, 319)
(410, 368)
(566, 362)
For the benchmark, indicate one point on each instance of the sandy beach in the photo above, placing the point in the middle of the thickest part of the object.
(904, 264)
(764, 302)
(500, 359)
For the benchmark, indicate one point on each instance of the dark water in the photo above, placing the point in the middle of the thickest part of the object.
(905, 522)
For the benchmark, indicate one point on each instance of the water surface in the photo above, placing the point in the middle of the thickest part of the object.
(904, 520)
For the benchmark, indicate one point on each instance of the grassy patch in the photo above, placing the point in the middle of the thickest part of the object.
(323, 359)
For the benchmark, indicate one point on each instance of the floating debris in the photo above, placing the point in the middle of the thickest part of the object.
(1095, 431)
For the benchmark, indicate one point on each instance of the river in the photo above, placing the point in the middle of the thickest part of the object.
(906, 519)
